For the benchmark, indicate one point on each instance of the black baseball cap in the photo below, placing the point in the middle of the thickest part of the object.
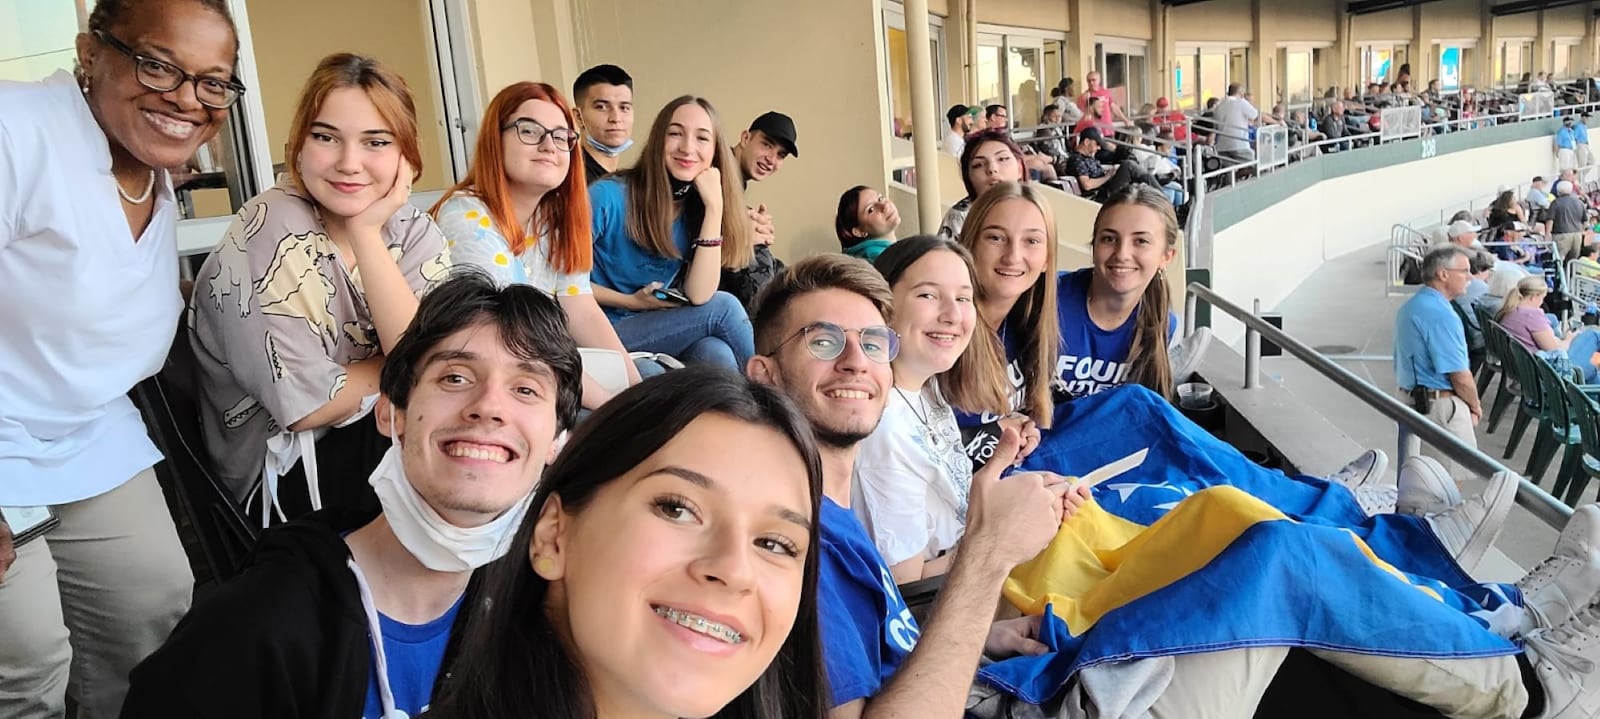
(1091, 133)
(956, 111)
(779, 128)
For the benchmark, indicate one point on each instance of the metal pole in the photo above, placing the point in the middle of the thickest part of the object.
(1191, 304)
(924, 116)
(1547, 508)
(1252, 351)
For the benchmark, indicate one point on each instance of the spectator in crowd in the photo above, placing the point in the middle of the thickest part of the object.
(1538, 201)
(1092, 116)
(991, 158)
(1431, 94)
(1055, 146)
(1303, 130)
(995, 117)
(824, 342)
(761, 152)
(1234, 117)
(521, 215)
(288, 341)
(1522, 315)
(664, 231)
(637, 535)
(1109, 110)
(1511, 247)
(1167, 116)
(359, 613)
(1568, 226)
(1580, 141)
(1096, 181)
(1336, 126)
(88, 274)
(1430, 357)
(1067, 99)
(865, 222)
(1567, 143)
(911, 475)
(961, 123)
(1587, 265)
(1481, 266)
(604, 94)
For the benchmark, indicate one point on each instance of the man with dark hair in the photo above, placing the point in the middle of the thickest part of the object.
(996, 117)
(761, 152)
(348, 614)
(1097, 181)
(603, 97)
(961, 124)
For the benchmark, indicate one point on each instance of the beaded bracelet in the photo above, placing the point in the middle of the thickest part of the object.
(708, 242)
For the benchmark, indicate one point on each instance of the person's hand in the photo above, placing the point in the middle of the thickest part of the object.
(709, 184)
(8, 550)
(1014, 637)
(645, 300)
(1025, 428)
(1477, 415)
(761, 224)
(1010, 520)
(1073, 499)
(379, 212)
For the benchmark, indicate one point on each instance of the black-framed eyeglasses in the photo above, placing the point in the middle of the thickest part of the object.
(162, 76)
(826, 341)
(533, 133)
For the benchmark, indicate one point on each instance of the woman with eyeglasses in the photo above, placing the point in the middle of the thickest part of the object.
(88, 277)
(522, 213)
(663, 232)
(311, 286)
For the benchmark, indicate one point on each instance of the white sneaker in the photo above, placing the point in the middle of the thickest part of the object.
(1469, 528)
(1186, 355)
(1425, 487)
(1569, 578)
(1376, 499)
(1564, 656)
(1361, 470)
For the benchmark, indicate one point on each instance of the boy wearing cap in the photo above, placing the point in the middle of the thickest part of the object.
(961, 119)
(761, 152)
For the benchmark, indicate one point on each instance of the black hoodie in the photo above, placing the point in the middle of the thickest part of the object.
(286, 639)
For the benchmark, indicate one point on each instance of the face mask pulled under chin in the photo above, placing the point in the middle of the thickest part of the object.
(436, 543)
(607, 150)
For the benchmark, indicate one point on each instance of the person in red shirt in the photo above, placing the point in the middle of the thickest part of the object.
(1167, 116)
(1108, 107)
(1093, 111)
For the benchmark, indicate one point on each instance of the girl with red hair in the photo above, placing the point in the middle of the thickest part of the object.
(522, 212)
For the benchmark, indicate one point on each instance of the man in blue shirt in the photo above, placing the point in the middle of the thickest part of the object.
(1567, 143)
(1430, 353)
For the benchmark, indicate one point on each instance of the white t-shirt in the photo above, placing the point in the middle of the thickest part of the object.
(89, 312)
(912, 478)
(1233, 116)
(954, 143)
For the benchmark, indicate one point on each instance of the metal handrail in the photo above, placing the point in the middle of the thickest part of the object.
(1547, 508)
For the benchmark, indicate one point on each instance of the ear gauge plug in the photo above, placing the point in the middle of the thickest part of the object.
(544, 566)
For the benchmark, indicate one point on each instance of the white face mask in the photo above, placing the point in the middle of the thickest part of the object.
(436, 543)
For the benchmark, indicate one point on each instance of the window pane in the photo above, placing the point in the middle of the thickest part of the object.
(1185, 90)
(1297, 76)
(287, 48)
(1238, 68)
(36, 38)
(1053, 52)
(1137, 95)
(1022, 74)
(1213, 75)
(1450, 68)
(899, 81)
(989, 74)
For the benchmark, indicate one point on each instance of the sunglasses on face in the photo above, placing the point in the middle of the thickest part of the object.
(826, 341)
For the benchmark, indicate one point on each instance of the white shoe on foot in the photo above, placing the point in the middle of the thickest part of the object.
(1468, 529)
(1186, 355)
(1564, 657)
(1425, 487)
(1363, 469)
(1567, 580)
(1376, 499)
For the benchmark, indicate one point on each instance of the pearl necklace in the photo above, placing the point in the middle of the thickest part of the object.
(149, 185)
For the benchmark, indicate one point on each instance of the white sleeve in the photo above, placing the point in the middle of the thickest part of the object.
(892, 477)
(10, 190)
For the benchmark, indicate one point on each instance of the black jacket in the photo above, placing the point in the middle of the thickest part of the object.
(745, 283)
(286, 639)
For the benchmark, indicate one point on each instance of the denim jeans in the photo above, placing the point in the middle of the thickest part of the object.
(716, 333)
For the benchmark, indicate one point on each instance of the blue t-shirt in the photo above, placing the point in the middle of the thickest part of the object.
(620, 263)
(867, 629)
(414, 653)
(1580, 132)
(1429, 341)
(1566, 137)
(1090, 359)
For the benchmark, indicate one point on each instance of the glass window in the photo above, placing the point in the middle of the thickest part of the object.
(989, 91)
(1022, 79)
(1213, 82)
(1297, 82)
(1124, 74)
(899, 81)
(1054, 52)
(36, 38)
(1561, 61)
(1185, 81)
(1450, 68)
(1238, 68)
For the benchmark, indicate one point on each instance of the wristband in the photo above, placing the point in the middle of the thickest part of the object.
(708, 242)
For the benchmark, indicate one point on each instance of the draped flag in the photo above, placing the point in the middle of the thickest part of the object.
(1199, 550)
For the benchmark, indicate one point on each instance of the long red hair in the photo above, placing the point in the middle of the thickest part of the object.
(563, 213)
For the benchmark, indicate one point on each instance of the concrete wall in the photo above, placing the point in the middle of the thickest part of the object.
(1123, 18)
(1304, 21)
(1453, 19)
(1269, 254)
(292, 36)
(1042, 14)
(1387, 25)
(1522, 25)
(1213, 21)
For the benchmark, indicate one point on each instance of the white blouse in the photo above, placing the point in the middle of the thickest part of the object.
(88, 312)
(912, 477)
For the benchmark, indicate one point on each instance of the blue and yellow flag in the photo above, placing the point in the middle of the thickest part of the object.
(1199, 550)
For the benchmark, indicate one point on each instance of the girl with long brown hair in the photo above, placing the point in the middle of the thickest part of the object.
(663, 233)
(522, 212)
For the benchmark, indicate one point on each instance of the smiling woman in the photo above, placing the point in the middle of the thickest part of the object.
(288, 340)
(659, 579)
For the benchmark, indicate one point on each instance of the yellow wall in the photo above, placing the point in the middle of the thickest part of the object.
(816, 61)
(1305, 20)
(1453, 19)
(506, 44)
(292, 36)
(1523, 25)
(1213, 21)
(1387, 25)
(1565, 21)
(1042, 14)
(1122, 18)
